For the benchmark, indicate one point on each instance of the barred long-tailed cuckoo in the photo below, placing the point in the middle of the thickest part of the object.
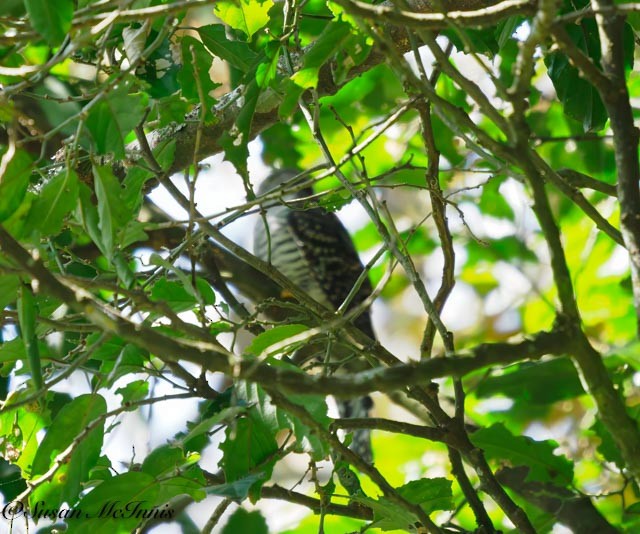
(312, 248)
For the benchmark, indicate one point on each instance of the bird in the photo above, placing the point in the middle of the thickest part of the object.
(314, 250)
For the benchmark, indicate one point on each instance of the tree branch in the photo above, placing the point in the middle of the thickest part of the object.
(575, 511)
(625, 137)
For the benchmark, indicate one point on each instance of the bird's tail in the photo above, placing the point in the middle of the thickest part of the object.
(358, 408)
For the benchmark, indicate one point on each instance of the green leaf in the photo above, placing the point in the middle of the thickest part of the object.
(25, 437)
(268, 70)
(235, 142)
(113, 118)
(134, 391)
(111, 209)
(580, 99)
(9, 285)
(274, 336)
(607, 447)
(134, 181)
(195, 80)
(50, 18)
(161, 71)
(388, 515)
(249, 443)
(134, 40)
(276, 419)
(12, 351)
(88, 215)
(107, 512)
(237, 490)
(173, 294)
(322, 50)
(308, 441)
(226, 415)
(430, 493)
(118, 503)
(238, 54)
(505, 248)
(28, 315)
(14, 182)
(544, 466)
(243, 521)
(165, 460)
(535, 382)
(57, 198)
(72, 420)
(492, 202)
(248, 16)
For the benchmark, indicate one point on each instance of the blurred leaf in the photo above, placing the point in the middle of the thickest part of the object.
(134, 391)
(194, 77)
(236, 141)
(580, 99)
(307, 77)
(243, 521)
(168, 460)
(50, 18)
(173, 294)
(14, 182)
(505, 30)
(276, 419)
(28, 315)
(134, 42)
(134, 182)
(607, 447)
(484, 41)
(54, 201)
(249, 443)
(160, 72)
(492, 202)
(72, 420)
(534, 382)
(113, 118)
(507, 248)
(11, 483)
(267, 71)
(112, 211)
(237, 490)
(430, 493)
(388, 515)
(237, 53)
(131, 487)
(9, 285)
(482, 280)
(274, 336)
(21, 429)
(224, 416)
(544, 466)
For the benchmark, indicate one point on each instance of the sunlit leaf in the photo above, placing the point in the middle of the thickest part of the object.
(248, 16)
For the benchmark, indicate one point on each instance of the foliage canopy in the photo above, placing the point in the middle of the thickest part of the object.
(493, 155)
